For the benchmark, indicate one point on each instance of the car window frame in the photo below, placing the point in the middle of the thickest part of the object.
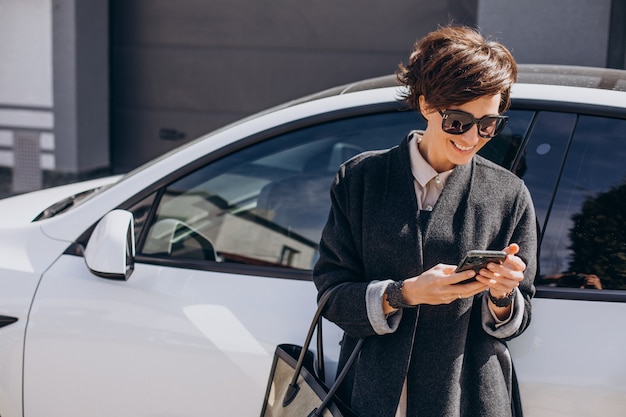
(579, 109)
(255, 270)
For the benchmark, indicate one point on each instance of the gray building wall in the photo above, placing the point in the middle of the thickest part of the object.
(180, 69)
(54, 92)
(80, 62)
(26, 114)
(550, 31)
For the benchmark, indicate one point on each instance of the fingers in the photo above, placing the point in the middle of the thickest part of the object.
(455, 278)
(438, 285)
(514, 262)
(467, 290)
(464, 290)
(512, 249)
(504, 278)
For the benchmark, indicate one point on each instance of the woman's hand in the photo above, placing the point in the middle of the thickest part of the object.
(440, 285)
(504, 278)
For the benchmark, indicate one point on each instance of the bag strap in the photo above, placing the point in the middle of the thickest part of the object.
(293, 388)
(333, 389)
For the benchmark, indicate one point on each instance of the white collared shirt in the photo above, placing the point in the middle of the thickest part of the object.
(427, 181)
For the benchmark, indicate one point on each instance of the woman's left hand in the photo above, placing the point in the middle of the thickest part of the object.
(503, 278)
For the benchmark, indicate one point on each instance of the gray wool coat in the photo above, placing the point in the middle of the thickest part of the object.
(454, 364)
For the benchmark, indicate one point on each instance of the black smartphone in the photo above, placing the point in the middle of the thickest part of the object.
(478, 259)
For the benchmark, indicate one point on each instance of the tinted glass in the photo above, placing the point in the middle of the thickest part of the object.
(504, 148)
(266, 204)
(584, 244)
(541, 161)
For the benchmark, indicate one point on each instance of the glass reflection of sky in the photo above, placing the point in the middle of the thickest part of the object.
(595, 163)
(544, 154)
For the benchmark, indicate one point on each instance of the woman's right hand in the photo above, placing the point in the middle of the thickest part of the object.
(440, 285)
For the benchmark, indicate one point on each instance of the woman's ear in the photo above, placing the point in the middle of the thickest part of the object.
(425, 109)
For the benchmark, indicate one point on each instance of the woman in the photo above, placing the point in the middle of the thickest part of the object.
(400, 222)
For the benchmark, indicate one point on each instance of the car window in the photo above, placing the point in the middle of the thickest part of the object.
(541, 161)
(584, 244)
(267, 204)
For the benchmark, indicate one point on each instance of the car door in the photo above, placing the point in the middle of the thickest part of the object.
(570, 361)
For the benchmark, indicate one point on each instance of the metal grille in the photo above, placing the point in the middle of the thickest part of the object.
(27, 175)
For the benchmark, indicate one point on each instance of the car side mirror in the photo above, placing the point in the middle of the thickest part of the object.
(110, 251)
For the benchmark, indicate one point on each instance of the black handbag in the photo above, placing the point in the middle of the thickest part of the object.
(296, 386)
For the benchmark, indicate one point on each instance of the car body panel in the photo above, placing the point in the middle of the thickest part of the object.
(215, 329)
(572, 372)
(22, 209)
(24, 256)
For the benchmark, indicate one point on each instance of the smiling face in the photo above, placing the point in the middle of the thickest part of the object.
(445, 151)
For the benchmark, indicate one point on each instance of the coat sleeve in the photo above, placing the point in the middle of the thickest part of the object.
(341, 260)
(524, 233)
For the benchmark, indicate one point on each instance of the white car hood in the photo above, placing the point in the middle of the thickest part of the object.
(22, 209)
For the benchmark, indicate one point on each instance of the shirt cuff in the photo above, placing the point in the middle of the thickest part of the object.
(381, 323)
(498, 322)
(507, 327)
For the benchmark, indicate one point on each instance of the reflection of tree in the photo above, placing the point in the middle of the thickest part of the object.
(598, 238)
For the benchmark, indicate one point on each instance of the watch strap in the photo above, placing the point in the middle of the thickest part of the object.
(394, 295)
(504, 301)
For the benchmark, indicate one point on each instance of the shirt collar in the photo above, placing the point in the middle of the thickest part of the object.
(422, 171)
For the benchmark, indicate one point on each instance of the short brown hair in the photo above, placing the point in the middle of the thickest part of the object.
(455, 65)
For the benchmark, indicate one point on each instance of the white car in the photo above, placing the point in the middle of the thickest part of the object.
(165, 292)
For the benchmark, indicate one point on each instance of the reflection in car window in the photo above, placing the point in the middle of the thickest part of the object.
(540, 164)
(503, 148)
(266, 204)
(584, 245)
(140, 211)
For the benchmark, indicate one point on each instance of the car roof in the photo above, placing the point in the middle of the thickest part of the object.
(563, 75)
(533, 75)
(573, 76)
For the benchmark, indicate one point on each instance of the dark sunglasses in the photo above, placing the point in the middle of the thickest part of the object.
(457, 122)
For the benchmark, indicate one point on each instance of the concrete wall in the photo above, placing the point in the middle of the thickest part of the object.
(26, 51)
(181, 69)
(26, 114)
(550, 31)
(54, 92)
(81, 85)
